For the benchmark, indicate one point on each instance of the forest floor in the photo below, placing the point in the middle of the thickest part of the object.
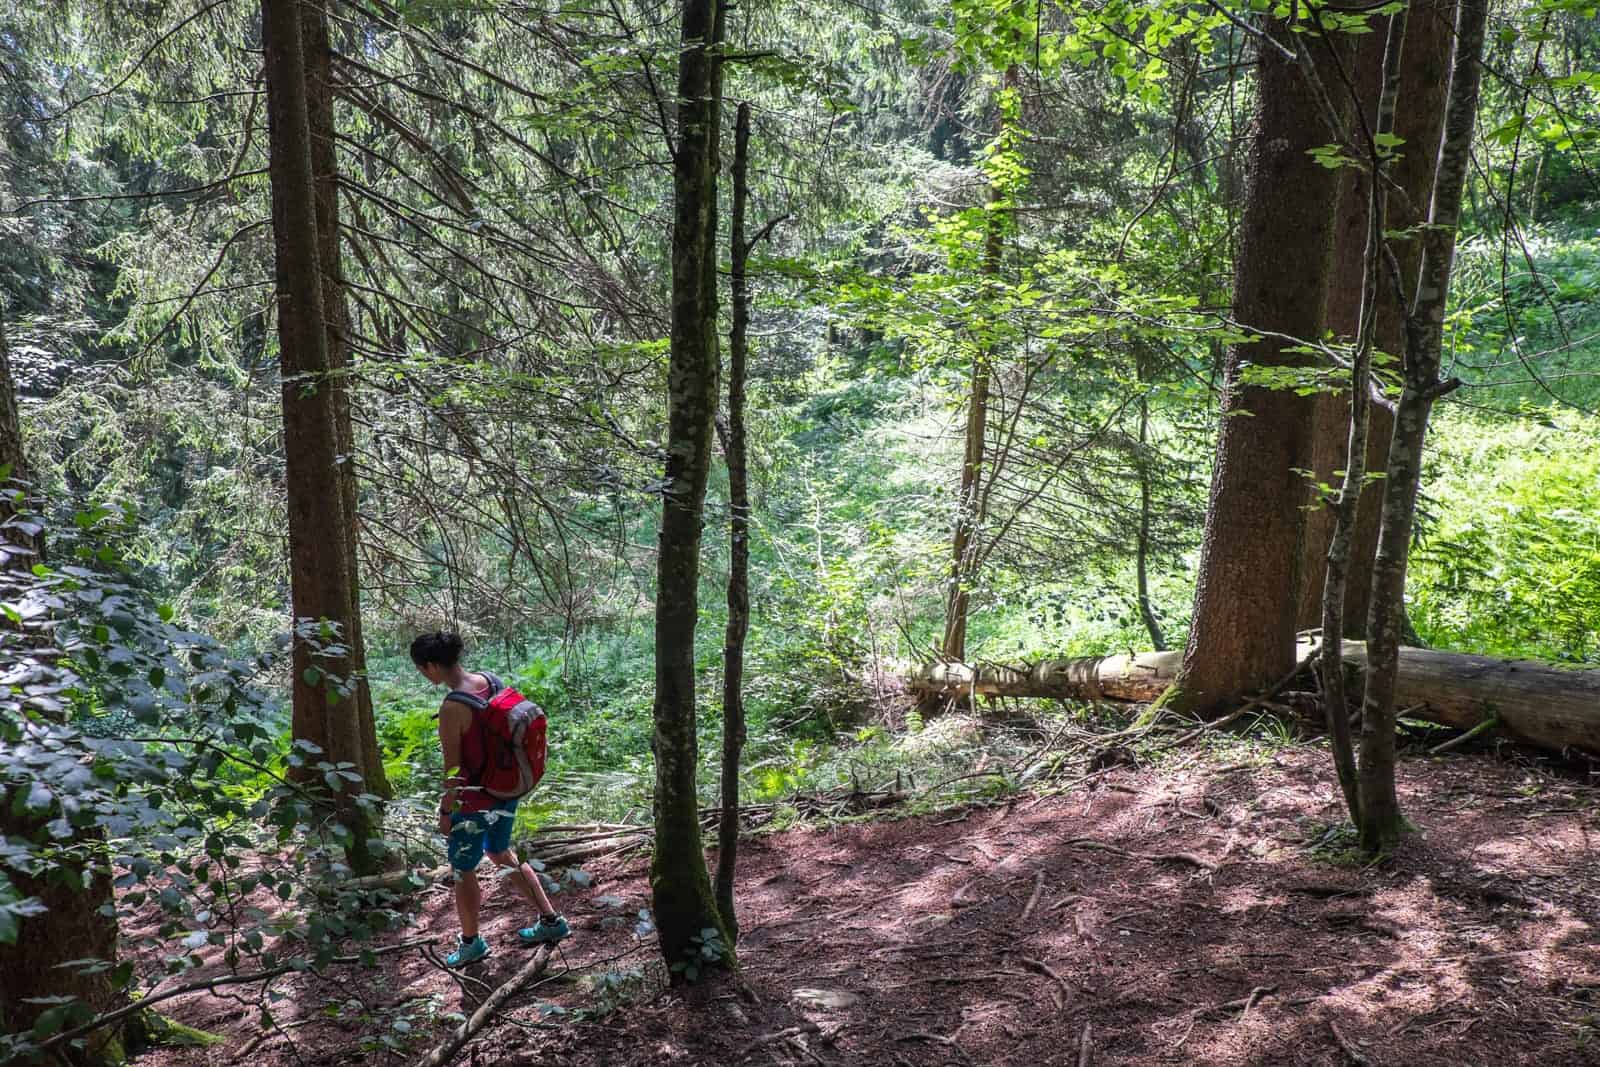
(1197, 912)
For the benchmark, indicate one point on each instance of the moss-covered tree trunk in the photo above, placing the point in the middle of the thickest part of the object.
(680, 885)
(1381, 823)
(327, 711)
(733, 722)
(77, 923)
(1424, 75)
(1243, 632)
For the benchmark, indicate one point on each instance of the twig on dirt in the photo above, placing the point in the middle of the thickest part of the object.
(267, 1034)
(1248, 706)
(1245, 1003)
(805, 1050)
(949, 1042)
(481, 988)
(210, 985)
(1355, 1054)
(1086, 1047)
(1153, 857)
(446, 1049)
(780, 1035)
(1033, 901)
(1041, 967)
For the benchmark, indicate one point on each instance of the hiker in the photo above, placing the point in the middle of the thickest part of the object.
(472, 817)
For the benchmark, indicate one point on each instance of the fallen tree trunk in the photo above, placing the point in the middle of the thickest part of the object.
(1533, 702)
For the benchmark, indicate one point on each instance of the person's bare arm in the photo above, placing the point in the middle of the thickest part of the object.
(453, 722)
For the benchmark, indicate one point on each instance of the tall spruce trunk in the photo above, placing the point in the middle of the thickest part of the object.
(327, 711)
(1424, 75)
(335, 307)
(1381, 822)
(78, 923)
(680, 885)
(1243, 632)
(733, 722)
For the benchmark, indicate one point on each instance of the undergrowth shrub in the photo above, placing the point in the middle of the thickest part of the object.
(1511, 563)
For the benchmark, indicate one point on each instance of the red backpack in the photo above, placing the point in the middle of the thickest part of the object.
(511, 736)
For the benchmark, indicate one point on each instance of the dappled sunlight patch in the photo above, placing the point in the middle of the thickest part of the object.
(1003, 930)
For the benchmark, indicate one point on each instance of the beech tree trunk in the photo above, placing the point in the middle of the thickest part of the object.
(733, 723)
(680, 885)
(1381, 823)
(1536, 703)
(328, 710)
(1424, 76)
(73, 925)
(1246, 595)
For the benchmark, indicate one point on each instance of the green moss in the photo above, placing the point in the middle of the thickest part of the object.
(164, 1030)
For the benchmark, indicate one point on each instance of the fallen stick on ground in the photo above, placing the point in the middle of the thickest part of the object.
(446, 1049)
(1041, 967)
(1349, 1050)
(1033, 901)
(1153, 857)
(1246, 1003)
(1086, 1047)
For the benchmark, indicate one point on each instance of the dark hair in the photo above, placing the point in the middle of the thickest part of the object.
(441, 647)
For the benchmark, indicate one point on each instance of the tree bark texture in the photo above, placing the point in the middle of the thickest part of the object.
(1246, 595)
(1424, 75)
(680, 885)
(320, 572)
(1346, 504)
(1381, 822)
(1536, 703)
(325, 173)
(72, 927)
(733, 722)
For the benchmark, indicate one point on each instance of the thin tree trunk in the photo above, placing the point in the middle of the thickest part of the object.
(681, 887)
(1424, 75)
(325, 714)
(1344, 508)
(1142, 566)
(1381, 821)
(970, 505)
(325, 173)
(78, 923)
(733, 723)
(1243, 633)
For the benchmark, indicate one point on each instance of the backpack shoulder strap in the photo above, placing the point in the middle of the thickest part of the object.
(474, 701)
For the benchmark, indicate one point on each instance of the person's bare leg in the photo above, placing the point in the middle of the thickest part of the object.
(525, 880)
(469, 897)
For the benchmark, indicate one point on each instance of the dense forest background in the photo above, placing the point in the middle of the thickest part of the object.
(1037, 203)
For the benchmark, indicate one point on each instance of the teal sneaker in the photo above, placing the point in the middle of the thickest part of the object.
(468, 952)
(545, 933)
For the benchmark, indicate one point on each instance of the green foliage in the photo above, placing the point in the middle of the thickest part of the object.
(1510, 564)
(193, 802)
(706, 949)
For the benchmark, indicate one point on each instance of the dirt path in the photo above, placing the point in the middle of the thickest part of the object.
(1177, 916)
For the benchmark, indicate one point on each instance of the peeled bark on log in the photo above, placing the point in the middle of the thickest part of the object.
(1536, 703)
